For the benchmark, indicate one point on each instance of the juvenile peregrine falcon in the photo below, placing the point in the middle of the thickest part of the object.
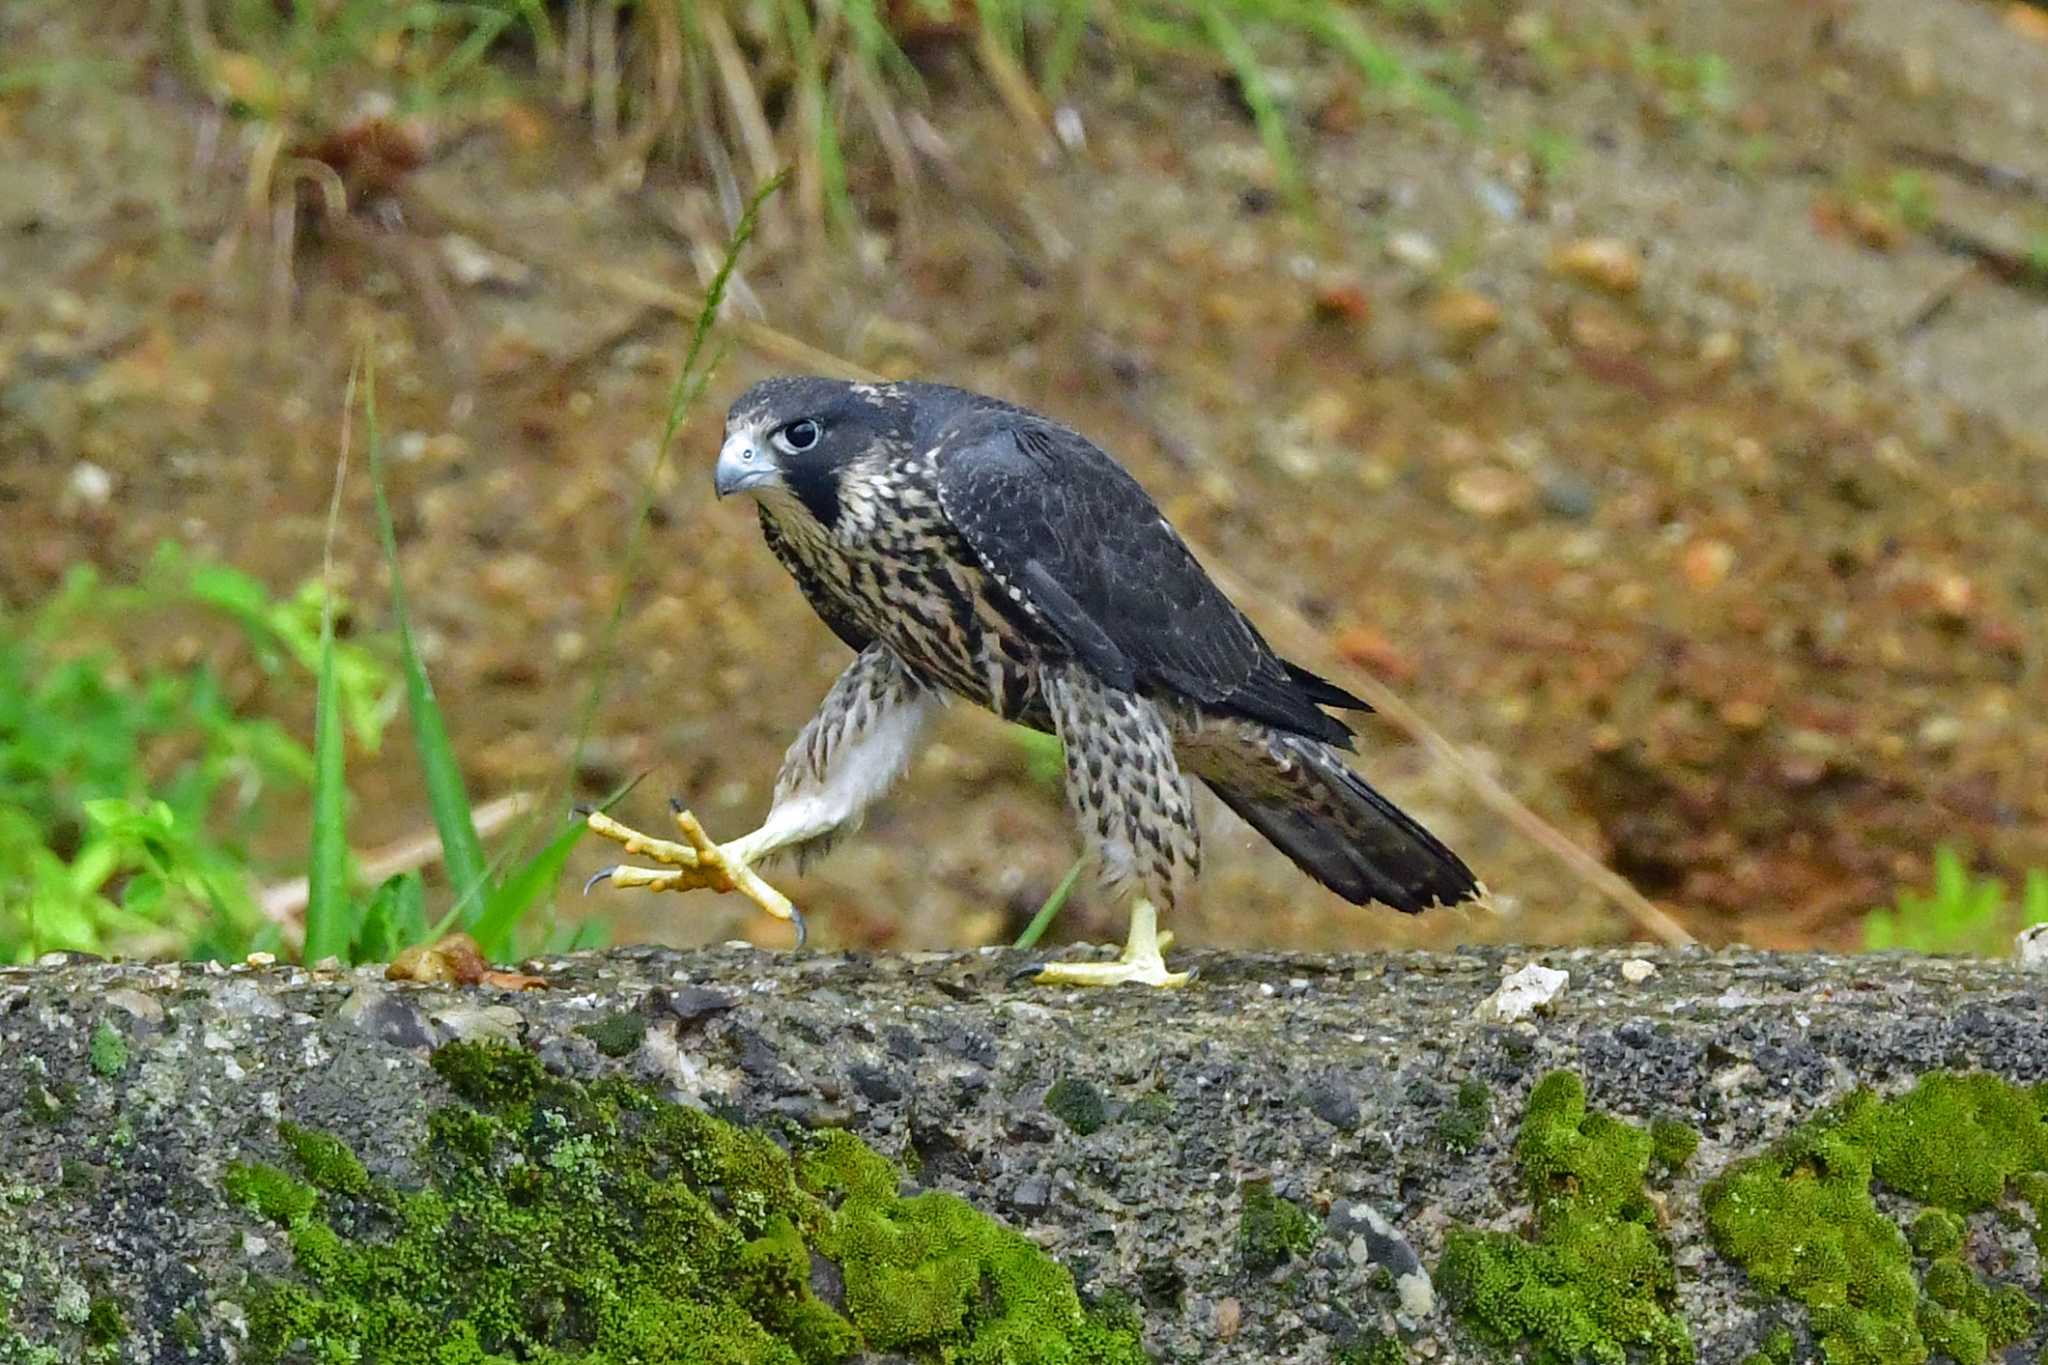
(964, 547)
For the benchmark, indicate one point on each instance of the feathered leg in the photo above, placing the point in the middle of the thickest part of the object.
(1135, 813)
(849, 753)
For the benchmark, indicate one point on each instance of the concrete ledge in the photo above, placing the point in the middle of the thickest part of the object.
(1161, 1145)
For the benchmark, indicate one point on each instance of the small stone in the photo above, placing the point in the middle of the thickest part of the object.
(1032, 1197)
(2031, 947)
(1721, 349)
(1706, 563)
(143, 1006)
(1604, 262)
(693, 1003)
(1637, 970)
(1599, 327)
(1326, 415)
(1523, 993)
(1567, 495)
(1940, 732)
(1229, 1318)
(1462, 318)
(1744, 714)
(89, 488)
(1332, 1104)
(1068, 128)
(1415, 251)
(473, 265)
(1491, 491)
(1955, 596)
(875, 1083)
(480, 1023)
(1343, 301)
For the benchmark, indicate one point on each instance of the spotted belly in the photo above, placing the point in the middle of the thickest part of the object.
(944, 618)
(956, 640)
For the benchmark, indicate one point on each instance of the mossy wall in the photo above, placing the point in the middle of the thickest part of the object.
(797, 1158)
(602, 1224)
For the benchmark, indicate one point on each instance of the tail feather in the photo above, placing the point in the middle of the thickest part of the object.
(1336, 828)
(1322, 691)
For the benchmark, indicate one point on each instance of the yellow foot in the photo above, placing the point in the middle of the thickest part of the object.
(1125, 970)
(1143, 962)
(693, 864)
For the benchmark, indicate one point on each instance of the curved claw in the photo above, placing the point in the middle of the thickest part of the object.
(581, 810)
(602, 874)
(676, 805)
(796, 918)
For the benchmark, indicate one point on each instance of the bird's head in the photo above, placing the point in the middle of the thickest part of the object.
(796, 438)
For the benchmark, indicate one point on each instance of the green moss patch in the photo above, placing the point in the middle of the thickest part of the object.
(617, 1034)
(597, 1223)
(1801, 1218)
(1672, 1143)
(1462, 1126)
(109, 1050)
(1271, 1228)
(1078, 1104)
(1776, 1349)
(1594, 1281)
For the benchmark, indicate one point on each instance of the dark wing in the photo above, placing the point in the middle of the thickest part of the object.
(822, 602)
(1063, 527)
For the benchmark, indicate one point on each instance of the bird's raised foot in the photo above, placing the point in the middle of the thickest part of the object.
(695, 863)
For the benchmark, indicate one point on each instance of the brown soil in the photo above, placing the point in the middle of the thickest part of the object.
(1735, 572)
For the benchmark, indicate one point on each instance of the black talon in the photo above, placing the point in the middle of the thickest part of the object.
(676, 806)
(1028, 971)
(796, 917)
(600, 875)
(583, 810)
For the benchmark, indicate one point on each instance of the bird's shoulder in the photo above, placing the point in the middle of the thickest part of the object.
(1064, 528)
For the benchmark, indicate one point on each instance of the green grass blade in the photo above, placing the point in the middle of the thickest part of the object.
(1050, 911)
(1258, 95)
(2034, 899)
(1064, 47)
(462, 852)
(518, 893)
(395, 918)
(328, 913)
(690, 382)
(327, 904)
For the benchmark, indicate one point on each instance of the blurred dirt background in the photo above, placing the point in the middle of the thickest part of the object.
(1676, 438)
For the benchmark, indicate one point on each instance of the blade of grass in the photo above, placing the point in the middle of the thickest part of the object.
(462, 852)
(1258, 96)
(1050, 911)
(1064, 46)
(514, 896)
(327, 902)
(515, 892)
(685, 391)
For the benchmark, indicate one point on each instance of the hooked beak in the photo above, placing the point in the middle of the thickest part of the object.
(742, 465)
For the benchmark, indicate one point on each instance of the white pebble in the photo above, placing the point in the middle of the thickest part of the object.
(1533, 988)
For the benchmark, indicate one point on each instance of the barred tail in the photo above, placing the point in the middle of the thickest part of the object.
(1302, 796)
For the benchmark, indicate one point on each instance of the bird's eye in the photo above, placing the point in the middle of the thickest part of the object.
(798, 436)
